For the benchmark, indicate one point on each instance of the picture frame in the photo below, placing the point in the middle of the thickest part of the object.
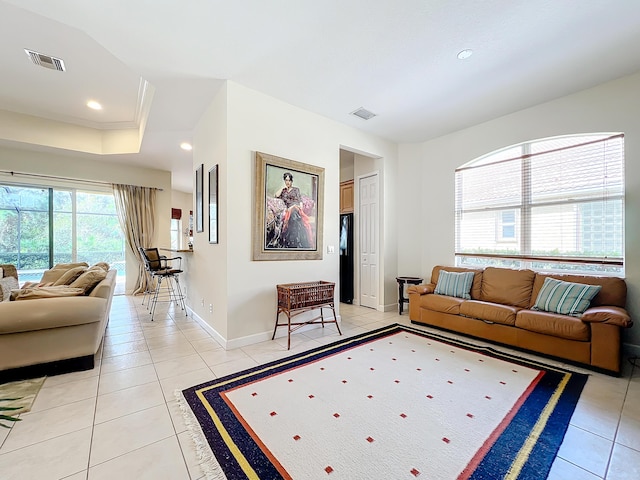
(213, 204)
(289, 217)
(199, 200)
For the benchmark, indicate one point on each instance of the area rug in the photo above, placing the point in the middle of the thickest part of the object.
(393, 403)
(23, 391)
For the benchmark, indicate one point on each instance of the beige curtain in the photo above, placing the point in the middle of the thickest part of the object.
(136, 207)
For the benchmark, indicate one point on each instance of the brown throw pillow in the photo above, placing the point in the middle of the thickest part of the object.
(89, 279)
(69, 276)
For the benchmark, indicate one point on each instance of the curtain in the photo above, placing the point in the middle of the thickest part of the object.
(136, 208)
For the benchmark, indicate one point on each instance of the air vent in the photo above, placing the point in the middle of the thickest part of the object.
(363, 113)
(45, 61)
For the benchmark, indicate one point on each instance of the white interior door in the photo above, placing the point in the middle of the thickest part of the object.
(369, 224)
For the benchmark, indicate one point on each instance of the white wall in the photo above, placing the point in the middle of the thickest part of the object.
(426, 173)
(244, 290)
(59, 165)
(209, 263)
(346, 165)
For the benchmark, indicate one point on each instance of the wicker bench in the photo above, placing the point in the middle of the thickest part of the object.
(297, 298)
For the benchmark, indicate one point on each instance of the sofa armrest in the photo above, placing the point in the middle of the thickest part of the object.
(40, 314)
(421, 289)
(604, 314)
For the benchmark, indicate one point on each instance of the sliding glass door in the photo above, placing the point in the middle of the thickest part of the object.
(40, 227)
(25, 228)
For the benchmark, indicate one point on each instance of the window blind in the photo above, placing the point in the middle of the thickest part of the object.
(558, 204)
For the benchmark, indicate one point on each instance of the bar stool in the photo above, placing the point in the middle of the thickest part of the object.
(152, 284)
(158, 266)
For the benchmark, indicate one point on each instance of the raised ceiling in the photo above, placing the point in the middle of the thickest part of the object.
(155, 66)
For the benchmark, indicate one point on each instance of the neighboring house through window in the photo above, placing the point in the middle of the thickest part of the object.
(507, 231)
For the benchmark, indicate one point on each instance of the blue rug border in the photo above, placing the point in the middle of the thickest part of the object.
(494, 465)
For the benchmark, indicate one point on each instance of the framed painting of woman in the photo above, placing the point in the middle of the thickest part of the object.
(289, 214)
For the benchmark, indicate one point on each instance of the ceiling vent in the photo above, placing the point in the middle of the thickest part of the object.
(45, 61)
(363, 113)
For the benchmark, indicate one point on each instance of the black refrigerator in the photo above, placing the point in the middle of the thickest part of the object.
(346, 258)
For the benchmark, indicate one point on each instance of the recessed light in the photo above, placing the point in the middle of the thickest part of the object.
(186, 146)
(93, 105)
(464, 54)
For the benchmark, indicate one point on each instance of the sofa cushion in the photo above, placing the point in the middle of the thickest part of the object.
(441, 303)
(566, 298)
(6, 285)
(507, 286)
(563, 326)
(89, 279)
(454, 284)
(70, 275)
(491, 312)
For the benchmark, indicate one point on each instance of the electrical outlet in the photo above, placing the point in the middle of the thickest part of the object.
(330, 249)
(211, 308)
(202, 302)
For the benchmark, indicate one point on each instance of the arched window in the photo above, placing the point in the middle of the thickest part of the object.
(553, 204)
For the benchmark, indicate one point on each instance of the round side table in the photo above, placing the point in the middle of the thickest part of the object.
(402, 281)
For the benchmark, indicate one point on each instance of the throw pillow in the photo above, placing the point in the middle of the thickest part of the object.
(58, 270)
(567, 298)
(69, 276)
(454, 284)
(89, 279)
(103, 265)
(6, 285)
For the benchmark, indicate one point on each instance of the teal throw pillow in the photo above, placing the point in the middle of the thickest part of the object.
(567, 298)
(454, 284)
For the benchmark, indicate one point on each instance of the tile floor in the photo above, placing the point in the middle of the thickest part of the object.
(120, 420)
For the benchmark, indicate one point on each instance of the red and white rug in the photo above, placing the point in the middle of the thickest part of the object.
(391, 404)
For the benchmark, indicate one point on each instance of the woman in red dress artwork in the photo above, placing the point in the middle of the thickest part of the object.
(296, 228)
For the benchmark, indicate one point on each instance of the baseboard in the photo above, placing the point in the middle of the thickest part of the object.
(249, 339)
(210, 330)
(48, 369)
(264, 336)
(393, 306)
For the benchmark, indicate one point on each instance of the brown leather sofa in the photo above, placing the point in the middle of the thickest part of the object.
(500, 310)
(49, 336)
